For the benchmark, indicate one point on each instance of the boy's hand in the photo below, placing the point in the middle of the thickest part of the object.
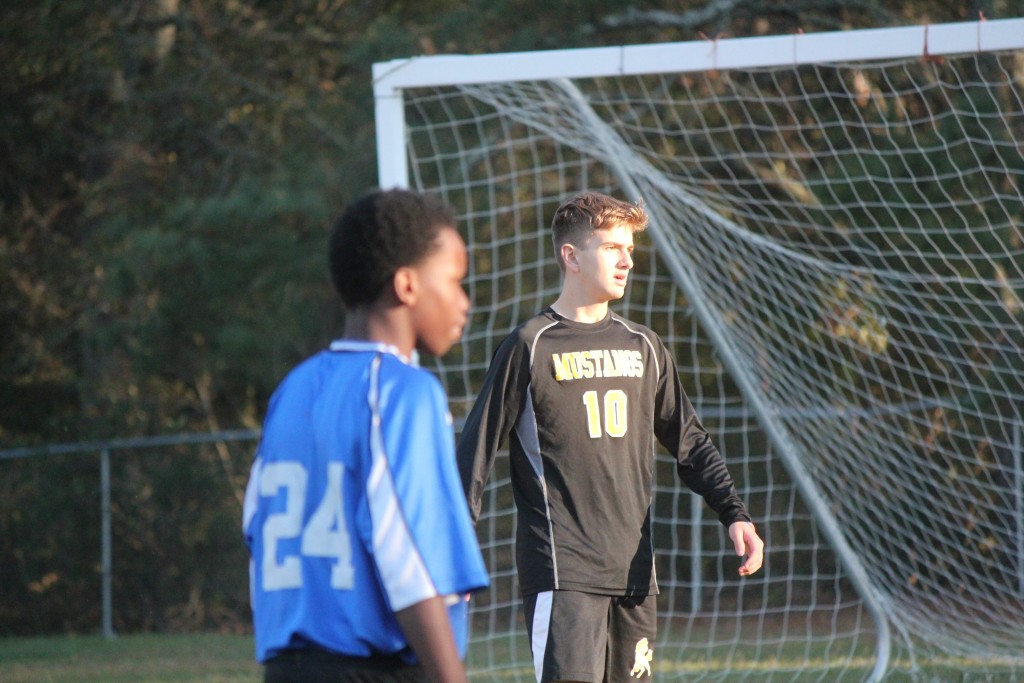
(747, 542)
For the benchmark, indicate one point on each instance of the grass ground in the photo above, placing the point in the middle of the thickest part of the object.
(211, 658)
(220, 658)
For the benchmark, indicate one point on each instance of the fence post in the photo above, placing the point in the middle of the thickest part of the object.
(1018, 494)
(697, 548)
(108, 621)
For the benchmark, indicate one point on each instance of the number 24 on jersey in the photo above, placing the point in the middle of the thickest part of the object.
(324, 535)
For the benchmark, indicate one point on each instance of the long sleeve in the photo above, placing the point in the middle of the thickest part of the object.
(492, 417)
(698, 462)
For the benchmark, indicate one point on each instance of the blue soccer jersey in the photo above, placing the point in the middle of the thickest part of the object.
(354, 508)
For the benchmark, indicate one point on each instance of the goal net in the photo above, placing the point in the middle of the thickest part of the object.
(836, 258)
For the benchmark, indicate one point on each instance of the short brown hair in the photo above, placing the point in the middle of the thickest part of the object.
(590, 211)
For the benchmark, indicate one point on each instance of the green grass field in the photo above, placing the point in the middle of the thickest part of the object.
(218, 658)
(212, 658)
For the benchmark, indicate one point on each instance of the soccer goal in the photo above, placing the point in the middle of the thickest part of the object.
(836, 257)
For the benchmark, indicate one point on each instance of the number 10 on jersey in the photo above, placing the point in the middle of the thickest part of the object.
(605, 415)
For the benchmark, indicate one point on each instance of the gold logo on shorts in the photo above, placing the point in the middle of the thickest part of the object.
(644, 655)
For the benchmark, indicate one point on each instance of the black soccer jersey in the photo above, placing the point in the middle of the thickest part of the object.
(579, 406)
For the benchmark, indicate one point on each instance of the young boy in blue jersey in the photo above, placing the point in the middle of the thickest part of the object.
(362, 548)
(579, 394)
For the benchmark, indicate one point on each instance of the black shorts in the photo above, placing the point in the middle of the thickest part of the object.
(594, 638)
(314, 665)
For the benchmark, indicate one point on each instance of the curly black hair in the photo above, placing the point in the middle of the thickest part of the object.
(379, 233)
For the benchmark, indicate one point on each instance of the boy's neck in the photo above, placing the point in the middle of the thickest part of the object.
(578, 311)
(383, 325)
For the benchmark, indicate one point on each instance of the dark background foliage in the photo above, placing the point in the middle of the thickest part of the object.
(168, 169)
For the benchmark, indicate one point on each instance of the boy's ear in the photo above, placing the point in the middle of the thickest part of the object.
(406, 285)
(569, 258)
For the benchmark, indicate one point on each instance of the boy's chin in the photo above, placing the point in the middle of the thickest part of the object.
(436, 350)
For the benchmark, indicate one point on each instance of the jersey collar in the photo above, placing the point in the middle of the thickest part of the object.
(374, 347)
(583, 327)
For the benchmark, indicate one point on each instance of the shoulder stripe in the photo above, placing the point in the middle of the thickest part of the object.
(536, 338)
(402, 568)
(654, 353)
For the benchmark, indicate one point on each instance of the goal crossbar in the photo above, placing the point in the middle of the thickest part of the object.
(392, 77)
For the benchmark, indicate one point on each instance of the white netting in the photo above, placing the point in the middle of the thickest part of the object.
(848, 239)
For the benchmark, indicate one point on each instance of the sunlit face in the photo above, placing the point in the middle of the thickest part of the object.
(441, 308)
(605, 259)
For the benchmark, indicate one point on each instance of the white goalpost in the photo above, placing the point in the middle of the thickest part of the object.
(836, 258)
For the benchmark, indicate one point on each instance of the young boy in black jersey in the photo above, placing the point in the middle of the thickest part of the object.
(578, 392)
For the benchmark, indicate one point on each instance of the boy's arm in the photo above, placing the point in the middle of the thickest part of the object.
(702, 468)
(489, 421)
(428, 631)
(417, 524)
(699, 464)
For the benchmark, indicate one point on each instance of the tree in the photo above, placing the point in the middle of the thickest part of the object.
(167, 173)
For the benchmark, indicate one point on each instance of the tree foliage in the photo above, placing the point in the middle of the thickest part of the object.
(168, 170)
